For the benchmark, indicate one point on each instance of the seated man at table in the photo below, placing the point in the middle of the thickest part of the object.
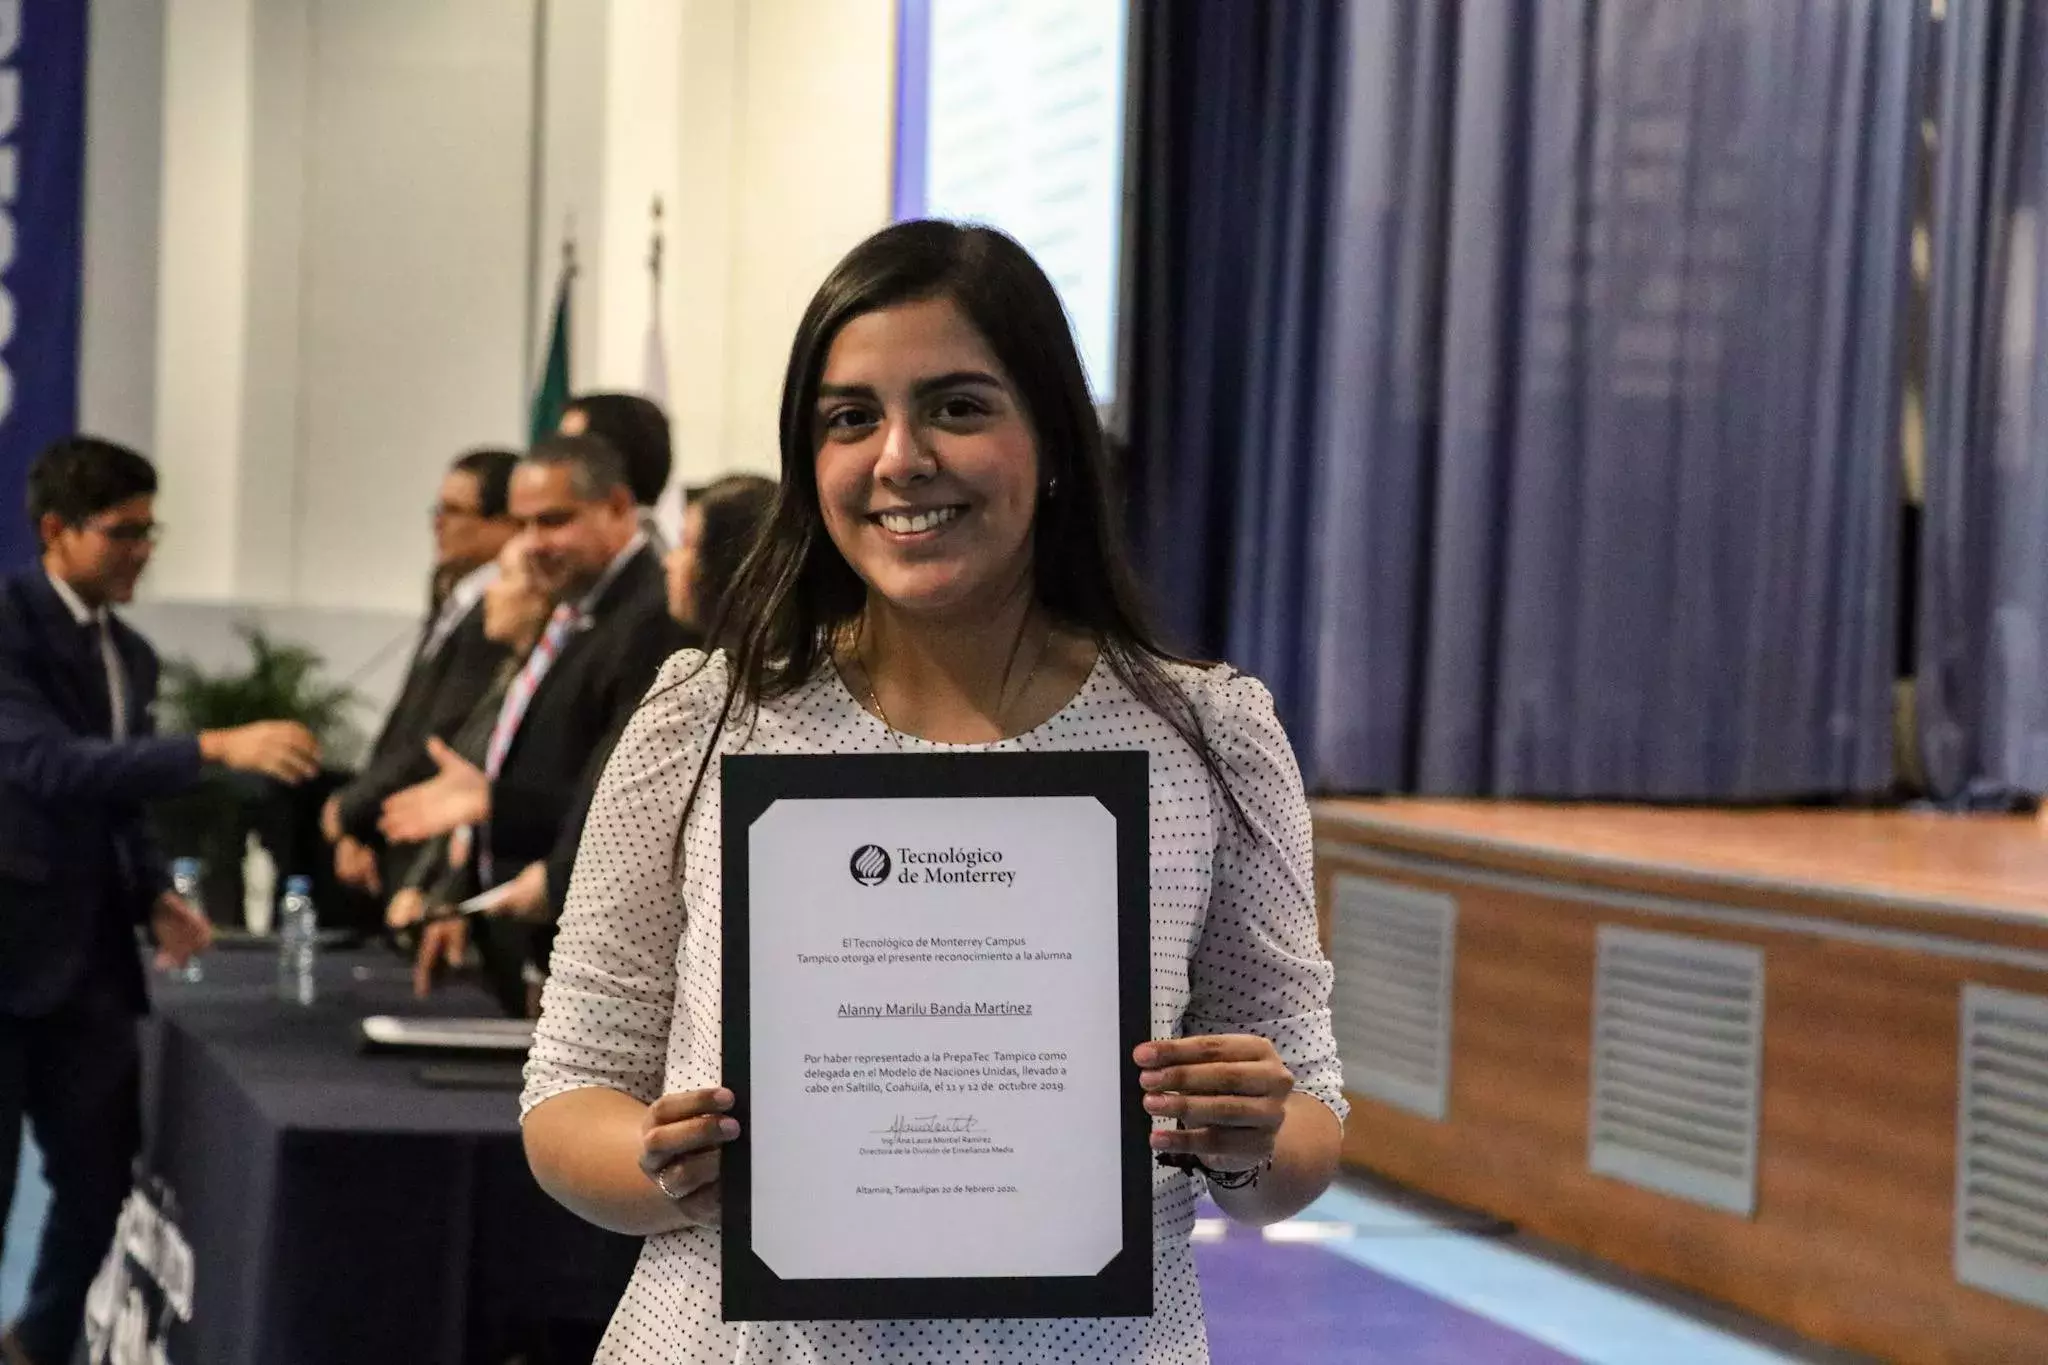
(607, 637)
(452, 665)
(78, 872)
(721, 522)
(442, 874)
(638, 429)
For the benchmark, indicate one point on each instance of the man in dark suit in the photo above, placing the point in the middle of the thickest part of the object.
(453, 665)
(721, 522)
(637, 428)
(79, 756)
(608, 636)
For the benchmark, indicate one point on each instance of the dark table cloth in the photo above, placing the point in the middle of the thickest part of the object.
(338, 1208)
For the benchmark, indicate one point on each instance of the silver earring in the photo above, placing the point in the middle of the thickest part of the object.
(1052, 488)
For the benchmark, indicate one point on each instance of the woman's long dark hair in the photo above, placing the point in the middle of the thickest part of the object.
(796, 596)
(733, 513)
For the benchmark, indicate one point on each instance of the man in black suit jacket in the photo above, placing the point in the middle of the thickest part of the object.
(453, 664)
(721, 523)
(636, 427)
(608, 637)
(79, 756)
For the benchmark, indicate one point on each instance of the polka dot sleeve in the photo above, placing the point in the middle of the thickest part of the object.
(611, 990)
(1259, 966)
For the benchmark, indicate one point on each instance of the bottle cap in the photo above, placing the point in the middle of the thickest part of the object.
(184, 867)
(298, 886)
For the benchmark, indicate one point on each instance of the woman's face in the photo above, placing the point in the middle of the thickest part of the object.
(927, 467)
(681, 563)
(514, 605)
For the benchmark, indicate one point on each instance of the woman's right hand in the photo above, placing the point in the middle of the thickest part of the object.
(680, 1136)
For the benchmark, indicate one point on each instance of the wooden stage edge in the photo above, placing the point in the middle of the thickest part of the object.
(1796, 1061)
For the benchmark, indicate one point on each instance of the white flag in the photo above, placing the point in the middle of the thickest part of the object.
(668, 508)
(654, 381)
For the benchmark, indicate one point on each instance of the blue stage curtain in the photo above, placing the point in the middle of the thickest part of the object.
(42, 140)
(1983, 623)
(1237, 116)
(1518, 385)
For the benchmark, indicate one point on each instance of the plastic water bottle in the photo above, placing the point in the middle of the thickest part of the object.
(259, 885)
(185, 881)
(298, 942)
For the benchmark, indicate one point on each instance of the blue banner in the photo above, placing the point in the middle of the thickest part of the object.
(42, 180)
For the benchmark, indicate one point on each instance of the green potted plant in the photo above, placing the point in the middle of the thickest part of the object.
(282, 682)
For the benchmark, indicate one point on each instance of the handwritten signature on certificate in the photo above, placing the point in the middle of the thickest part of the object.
(931, 1123)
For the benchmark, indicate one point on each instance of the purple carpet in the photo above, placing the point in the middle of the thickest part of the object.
(1298, 1304)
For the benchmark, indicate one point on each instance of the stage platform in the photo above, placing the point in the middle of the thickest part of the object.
(1794, 1060)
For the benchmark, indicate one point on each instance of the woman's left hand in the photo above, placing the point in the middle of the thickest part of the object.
(1229, 1092)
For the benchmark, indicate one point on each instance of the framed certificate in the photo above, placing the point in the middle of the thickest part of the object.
(936, 967)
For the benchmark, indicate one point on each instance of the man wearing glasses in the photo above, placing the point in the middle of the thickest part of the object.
(79, 755)
(453, 664)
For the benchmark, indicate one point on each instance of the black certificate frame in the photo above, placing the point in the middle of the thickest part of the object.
(1120, 780)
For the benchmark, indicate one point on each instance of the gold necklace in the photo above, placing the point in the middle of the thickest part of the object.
(875, 698)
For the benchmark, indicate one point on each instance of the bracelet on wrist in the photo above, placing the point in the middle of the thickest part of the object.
(1222, 1180)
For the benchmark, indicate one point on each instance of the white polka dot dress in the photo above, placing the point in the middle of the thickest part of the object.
(633, 1000)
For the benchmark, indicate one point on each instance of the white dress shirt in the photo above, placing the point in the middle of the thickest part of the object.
(467, 592)
(98, 619)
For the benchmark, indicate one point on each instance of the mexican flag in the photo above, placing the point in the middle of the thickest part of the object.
(553, 394)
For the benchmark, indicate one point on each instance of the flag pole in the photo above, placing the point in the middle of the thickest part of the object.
(654, 249)
(552, 386)
(654, 377)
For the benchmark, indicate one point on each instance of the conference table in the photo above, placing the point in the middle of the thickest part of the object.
(337, 1206)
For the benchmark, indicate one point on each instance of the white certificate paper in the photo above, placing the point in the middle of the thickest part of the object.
(938, 1087)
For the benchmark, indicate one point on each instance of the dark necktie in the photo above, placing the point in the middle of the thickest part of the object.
(100, 638)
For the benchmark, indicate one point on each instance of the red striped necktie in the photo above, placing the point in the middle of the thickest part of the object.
(518, 697)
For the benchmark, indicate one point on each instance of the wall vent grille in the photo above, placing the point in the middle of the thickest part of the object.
(1394, 949)
(2002, 1145)
(1678, 1027)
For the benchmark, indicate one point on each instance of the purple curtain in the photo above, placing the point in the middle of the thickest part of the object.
(1983, 628)
(1518, 385)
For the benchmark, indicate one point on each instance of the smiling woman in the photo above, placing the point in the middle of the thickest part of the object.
(944, 480)
(941, 572)
(927, 476)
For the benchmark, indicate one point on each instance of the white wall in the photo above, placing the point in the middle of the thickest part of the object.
(318, 255)
(642, 160)
(202, 291)
(701, 241)
(269, 446)
(575, 48)
(123, 203)
(414, 277)
(808, 176)
(767, 127)
(342, 268)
